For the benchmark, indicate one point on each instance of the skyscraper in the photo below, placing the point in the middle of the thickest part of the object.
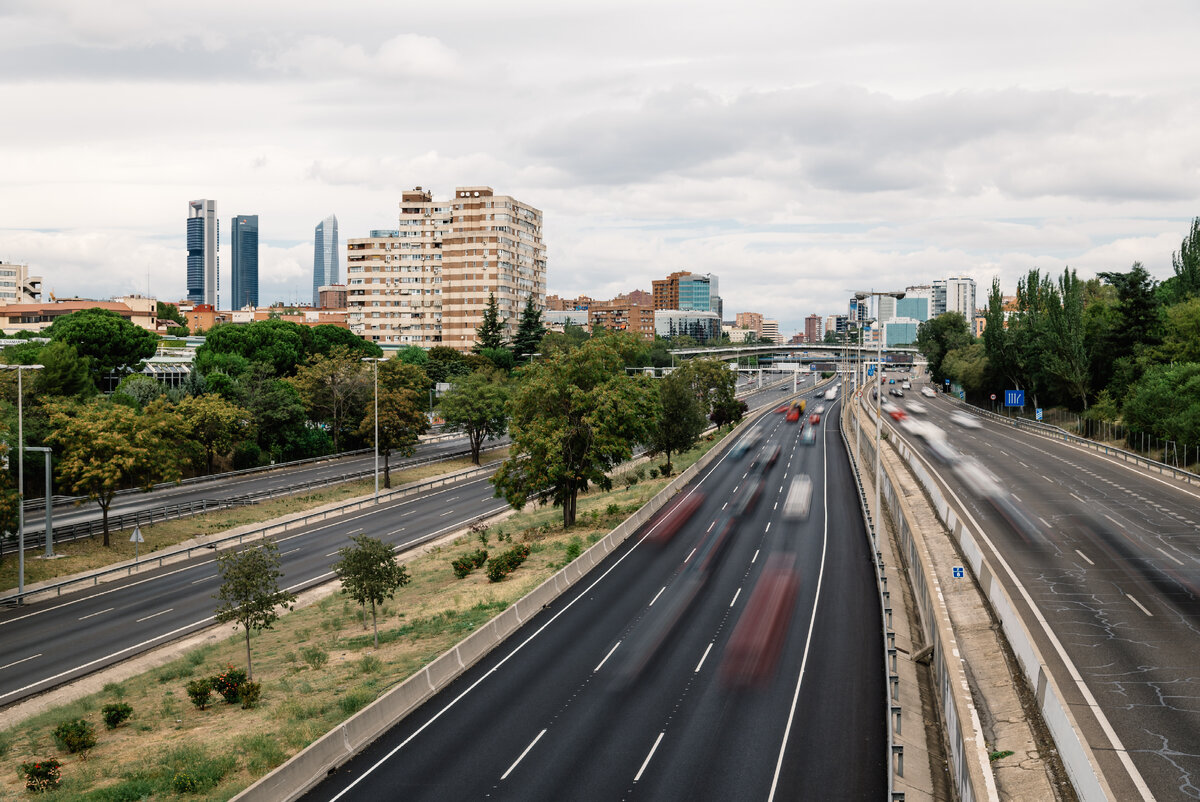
(244, 245)
(325, 256)
(203, 239)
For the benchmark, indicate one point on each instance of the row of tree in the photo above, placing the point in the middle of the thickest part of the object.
(1121, 347)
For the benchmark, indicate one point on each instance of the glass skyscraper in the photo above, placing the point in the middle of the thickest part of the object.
(325, 256)
(244, 244)
(203, 239)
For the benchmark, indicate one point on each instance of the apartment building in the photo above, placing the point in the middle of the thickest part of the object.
(770, 332)
(750, 320)
(632, 312)
(17, 286)
(427, 282)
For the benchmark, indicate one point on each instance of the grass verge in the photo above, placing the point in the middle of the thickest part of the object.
(317, 667)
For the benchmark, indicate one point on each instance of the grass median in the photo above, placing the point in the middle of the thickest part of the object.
(88, 554)
(317, 667)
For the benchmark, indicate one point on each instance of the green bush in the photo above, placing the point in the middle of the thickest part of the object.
(654, 473)
(613, 509)
(369, 664)
(229, 682)
(574, 549)
(42, 775)
(249, 692)
(503, 565)
(115, 714)
(199, 691)
(630, 478)
(315, 656)
(129, 790)
(75, 736)
(465, 564)
(356, 700)
(189, 769)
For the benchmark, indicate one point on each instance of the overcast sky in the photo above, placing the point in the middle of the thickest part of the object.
(797, 150)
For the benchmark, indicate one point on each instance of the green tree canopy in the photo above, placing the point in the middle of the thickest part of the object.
(444, 364)
(1186, 263)
(679, 418)
(402, 421)
(334, 389)
(490, 333)
(108, 341)
(326, 337)
(572, 418)
(1165, 403)
(940, 335)
(476, 404)
(216, 424)
(530, 332)
(249, 591)
(166, 311)
(64, 373)
(231, 348)
(369, 573)
(570, 338)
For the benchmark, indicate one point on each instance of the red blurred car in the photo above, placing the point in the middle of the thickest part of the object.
(793, 415)
(814, 419)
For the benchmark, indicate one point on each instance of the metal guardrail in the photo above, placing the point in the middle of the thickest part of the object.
(1055, 433)
(158, 559)
(75, 531)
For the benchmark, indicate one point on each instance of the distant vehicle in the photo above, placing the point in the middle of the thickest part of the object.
(964, 420)
(793, 415)
(891, 381)
(773, 458)
(814, 419)
(907, 385)
(928, 392)
(897, 413)
(809, 437)
(916, 408)
(820, 409)
(799, 498)
(783, 409)
(745, 444)
(831, 394)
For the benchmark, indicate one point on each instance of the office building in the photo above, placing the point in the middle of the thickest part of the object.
(703, 327)
(17, 286)
(960, 296)
(243, 240)
(937, 298)
(686, 292)
(770, 332)
(203, 242)
(325, 256)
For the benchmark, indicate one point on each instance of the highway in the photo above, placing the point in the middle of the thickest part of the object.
(1110, 558)
(97, 627)
(628, 686)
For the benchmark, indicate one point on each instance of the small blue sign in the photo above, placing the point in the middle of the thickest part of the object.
(870, 370)
(958, 572)
(1014, 398)
(1037, 413)
(947, 382)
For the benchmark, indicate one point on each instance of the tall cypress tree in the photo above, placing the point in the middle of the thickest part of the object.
(490, 333)
(530, 331)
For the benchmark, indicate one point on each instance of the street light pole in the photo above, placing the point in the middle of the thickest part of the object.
(20, 369)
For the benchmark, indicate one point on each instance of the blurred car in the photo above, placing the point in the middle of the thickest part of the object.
(799, 498)
(773, 457)
(964, 420)
(928, 392)
(820, 410)
(814, 419)
(782, 409)
(897, 413)
(793, 415)
(907, 385)
(916, 408)
(891, 381)
(809, 437)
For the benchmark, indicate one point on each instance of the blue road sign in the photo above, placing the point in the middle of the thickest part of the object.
(870, 370)
(947, 382)
(958, 572)
(1014, 398)
(1037, 413)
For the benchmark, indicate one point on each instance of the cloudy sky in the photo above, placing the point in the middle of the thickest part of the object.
(797, 150)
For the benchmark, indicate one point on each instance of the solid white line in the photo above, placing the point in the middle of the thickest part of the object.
(22, 660)
(646, 762)
(1139, 604)
(1084, 556)
(154, 615)
(736, 593)
(660, 592)
(605, 660)
(755, 557)
(1170, 556)
(110, 609)
(703, 657)
(1077, 498)
(1045, 523)
(504, 776)
(685, 559)
(1114, 520)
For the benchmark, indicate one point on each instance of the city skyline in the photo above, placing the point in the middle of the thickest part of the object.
(796, 152)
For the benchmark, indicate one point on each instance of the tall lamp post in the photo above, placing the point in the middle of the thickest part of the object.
(878, 397)
(375, 360)
(20, 369)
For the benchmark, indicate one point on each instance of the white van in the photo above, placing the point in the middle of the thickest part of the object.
(799, 498)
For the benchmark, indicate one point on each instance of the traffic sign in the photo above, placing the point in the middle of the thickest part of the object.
(1014, 398)
(947, 382)
(136, 539)
(870, 370)
(993, 396)
(1037, 413)
(958, 572)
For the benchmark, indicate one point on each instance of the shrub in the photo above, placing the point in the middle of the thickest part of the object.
(465, 564)
(199, 690)
(369, 664)
(356, 700)
(574, 549)
(115, 714)
(630, 478)
(249, 692)
(228, 682)
(315, 656)
(43, 775)
(130, 790)
(503, 565)
(654, 473)
(184, 782)
(613, 509)
(75, 736)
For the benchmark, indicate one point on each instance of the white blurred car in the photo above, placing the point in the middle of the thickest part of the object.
(928, 392)
(964, 420)
(915, 408)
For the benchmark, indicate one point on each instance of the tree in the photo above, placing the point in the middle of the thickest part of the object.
(166, 311)
(967, 366)
(530, 332)
(1186, 262)
(232, 349)
(369, 573)
(140, 389)
(490, 333)
(326, 337)
(679, 418)
(249, 591)
(1165, 402)
(413, 355)
(216, 424)
(402, 421)
(108, 341)
(939, 335)
(278, 414)
(1067, 356)
(712, 383)
(444, 364)
(334, 389)
(570, 338)
(64, 373)
(1181, 333)
(573, 418)
(475, 405)
(104, 447)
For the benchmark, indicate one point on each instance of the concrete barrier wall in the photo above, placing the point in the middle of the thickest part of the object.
(308, 767)
(1076, 755)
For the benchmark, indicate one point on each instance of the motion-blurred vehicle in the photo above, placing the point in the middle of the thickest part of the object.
(747, 498)
(799, 498)
(814, 419)
(757, 639)
(820, 409)
(675, 516)
(964, 420)
(793, 415)
(773, 458)
(783, 409)
(745, 444)
(897, 413)
(907, 385)
(808, 437)
(891, 381)
(928, 392)
(915, 408)
(980, 481)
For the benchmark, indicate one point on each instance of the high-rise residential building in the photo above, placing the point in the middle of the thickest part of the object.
(243, 238)
(332, 296)
(937, 298)
(427, 283)
(750, 320)
(687, 291)
(812, 329)
(631, 312)
(325, 256)
(203, 242)
(17, 286)
(960, 296)
(885, 308)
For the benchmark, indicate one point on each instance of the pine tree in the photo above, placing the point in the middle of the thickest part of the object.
(490, 333)
(530, 331)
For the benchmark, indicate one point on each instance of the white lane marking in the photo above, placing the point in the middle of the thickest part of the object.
(1045, 523)
(755, 557)
(201, 579)
(1077, 498)
(726, 504)
(1170, 556)
(744, 475)
(1140, 606)
(736, 593)
(102, 612)
(1084, 556)
(22, 660)
(1047, 478)
(290, 551)
(710, 526)
(154, 615)
(703, 657)
(354, 531)
(393, 532)
(660, 592)
(768, 529)
(646, 762)
(1114, 520)
(1014, 495)
(776, 506)
(332, 554)
(504, 776)
(685, 559)
(610, 654)
(447, 512)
